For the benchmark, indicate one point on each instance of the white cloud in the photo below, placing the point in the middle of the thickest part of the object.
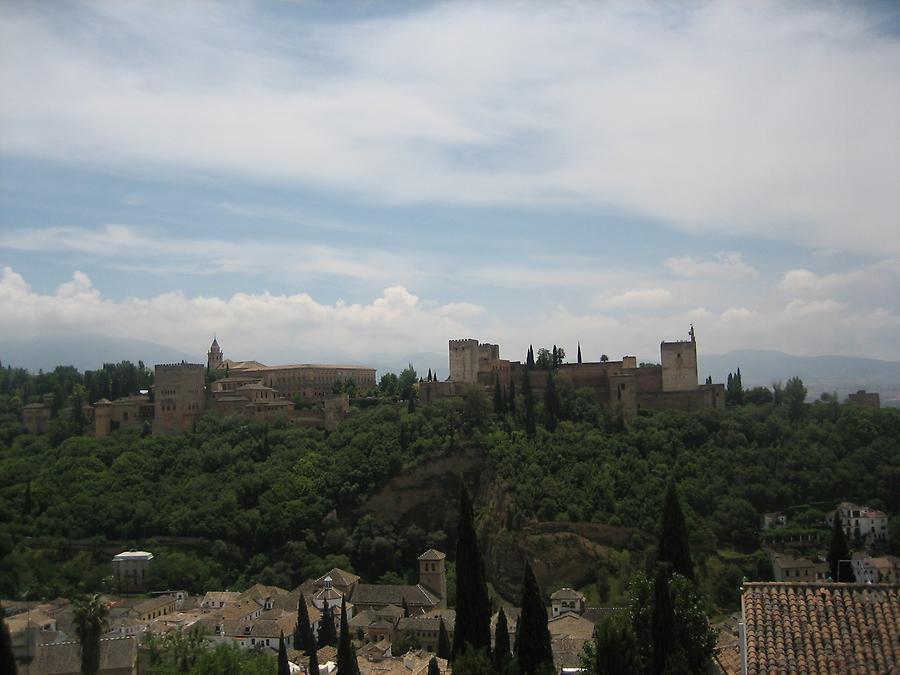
(725, 266)
(756, 119)
(638, 298)
(807, 308)
(297, 327)
(737, 314)
(130, 248)
(256, 325)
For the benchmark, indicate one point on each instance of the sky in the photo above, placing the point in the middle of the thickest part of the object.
(318, 181)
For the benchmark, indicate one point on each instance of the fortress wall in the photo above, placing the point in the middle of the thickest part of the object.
(649, 379)
(703, 398)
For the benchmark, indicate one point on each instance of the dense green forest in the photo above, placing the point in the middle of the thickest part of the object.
(235, 502)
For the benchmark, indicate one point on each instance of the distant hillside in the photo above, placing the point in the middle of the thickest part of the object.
(86, 351)
(841, 374)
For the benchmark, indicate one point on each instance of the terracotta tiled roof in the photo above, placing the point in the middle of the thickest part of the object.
(571, 625)
(338, 576)
(117, 654)
(389, 594)
(432, 554)
(821, 627)
(261, 592)
(449, 616)
(153, 604)
(567, 594)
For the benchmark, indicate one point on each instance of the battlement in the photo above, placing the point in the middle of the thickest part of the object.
(465, 342)
(674, 343)
(180, 366)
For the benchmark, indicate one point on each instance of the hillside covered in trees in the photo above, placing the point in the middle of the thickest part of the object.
(234, 502)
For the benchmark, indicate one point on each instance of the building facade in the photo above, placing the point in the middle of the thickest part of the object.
(130, 570)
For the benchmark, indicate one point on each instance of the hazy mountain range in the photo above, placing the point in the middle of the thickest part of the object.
(841, 374)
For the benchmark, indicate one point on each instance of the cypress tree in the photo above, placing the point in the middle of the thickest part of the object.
(444, 649)
(346, 656)
(837, 551)
(579, 352)
(498, 396)
(673, 545)
(473, 609)
(530, 425)
(7, 660)
(433, 668)
(551, 404)
(529, 361)
(501, 643)
(283, 667)
(313, 662)
(303, 631)
(534, 651)
(411, 406)
(554, 359)
(327, 635)
(429, 375)
(662, 619)
(511, 403)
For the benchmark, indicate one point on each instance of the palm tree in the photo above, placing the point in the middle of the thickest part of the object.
(89, 615)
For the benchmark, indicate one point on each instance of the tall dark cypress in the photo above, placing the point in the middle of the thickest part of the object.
(838, 551)
(346, 656)
(433, 668)
(327, 635)
(530, 423)
(579, 352)
(501, 643)
(534, 651)
(444, 648)
(303, 631)
(551, 404)
(283, 666)
(554, 361)
(511, 397)
(473, 609)
(7, 659)
(529, 360)
(313, 662)
(499, 407)
(662, 619)
(674, 547)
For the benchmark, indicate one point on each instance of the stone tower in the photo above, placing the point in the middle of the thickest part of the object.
(679, 365)
(214, 356)
(179, 397)
(433, 573)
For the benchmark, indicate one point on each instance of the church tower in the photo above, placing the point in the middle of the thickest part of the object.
(214, 356)
(433, 574)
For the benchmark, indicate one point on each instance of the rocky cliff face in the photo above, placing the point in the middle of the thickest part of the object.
(561, 553)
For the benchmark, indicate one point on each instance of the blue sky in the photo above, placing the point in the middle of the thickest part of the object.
(329, 180)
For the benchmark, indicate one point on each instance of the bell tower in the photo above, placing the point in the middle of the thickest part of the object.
(433, 574)
(214, 356)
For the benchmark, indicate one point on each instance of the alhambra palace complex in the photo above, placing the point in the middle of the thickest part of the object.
(256, 391)
(671, 385)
